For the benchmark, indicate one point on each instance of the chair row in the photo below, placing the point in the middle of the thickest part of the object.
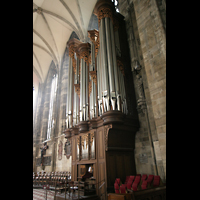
(51, 178)
(137, 182)
(57, 173)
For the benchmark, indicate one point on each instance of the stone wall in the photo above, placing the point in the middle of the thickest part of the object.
(62, 162)
(145, 23)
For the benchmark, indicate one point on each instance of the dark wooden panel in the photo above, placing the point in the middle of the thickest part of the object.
(111, 168)
(129, 164)
(121, 138)
(119, 164)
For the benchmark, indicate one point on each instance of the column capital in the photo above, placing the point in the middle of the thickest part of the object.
(93, 35)
(83, 50)
(72, 45)
(104, 8)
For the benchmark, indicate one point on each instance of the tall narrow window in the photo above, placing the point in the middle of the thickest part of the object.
(52, 97)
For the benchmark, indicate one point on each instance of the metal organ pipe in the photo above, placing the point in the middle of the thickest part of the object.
(74, 112)
(110, 62)
(81, 92)
(84, 105)
(86, 92)
(106, 92)
(101, 69)
(115, 67)
(70, 93)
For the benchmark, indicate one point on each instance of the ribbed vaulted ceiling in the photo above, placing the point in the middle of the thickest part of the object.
(53, 23)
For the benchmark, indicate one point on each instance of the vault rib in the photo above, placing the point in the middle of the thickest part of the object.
(38, 62)
(37, 74)
(41, 47)
(52, 52)
(51, 36)
(74, 18)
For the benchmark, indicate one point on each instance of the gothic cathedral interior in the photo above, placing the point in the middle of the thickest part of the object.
(99, 89)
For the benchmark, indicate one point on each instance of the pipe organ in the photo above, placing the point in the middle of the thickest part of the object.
(96, 74)
(97, 115)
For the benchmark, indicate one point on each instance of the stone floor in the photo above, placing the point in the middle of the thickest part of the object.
(40, 194)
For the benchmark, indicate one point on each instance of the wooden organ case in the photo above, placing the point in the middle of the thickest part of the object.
(102, 117)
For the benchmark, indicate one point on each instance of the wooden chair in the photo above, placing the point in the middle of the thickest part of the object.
(40, 179)
(44, 179)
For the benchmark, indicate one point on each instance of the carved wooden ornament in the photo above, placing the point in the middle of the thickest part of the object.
(104, 12)
(93, 75)
(71, 54)
(106, 130)
(90, 87)
(77, 89)
(94, 37)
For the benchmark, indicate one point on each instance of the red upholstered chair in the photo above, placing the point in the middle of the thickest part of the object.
(123, 188)
(127, 178)
(137, 179)
(156, 181)
(130, 182)
(144, 177)
(147, 182)
(150, 179)
(126, 181)
(144, 185)
(116, 188)
(136, 182)
(117, 180)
